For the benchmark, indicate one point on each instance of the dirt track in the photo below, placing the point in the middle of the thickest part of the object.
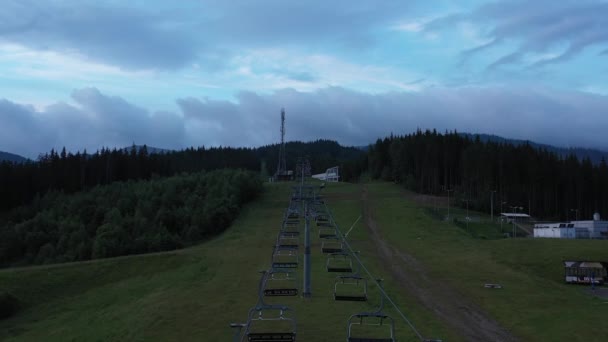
(451, 307)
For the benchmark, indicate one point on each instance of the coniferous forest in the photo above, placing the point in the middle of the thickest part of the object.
(542, 183)
(79, 206)
(20, 183)
(125, 217)
(67, 207)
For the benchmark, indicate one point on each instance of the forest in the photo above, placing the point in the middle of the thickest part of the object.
(67, 207)
(69, 172)
(534, 180)
(124, 218)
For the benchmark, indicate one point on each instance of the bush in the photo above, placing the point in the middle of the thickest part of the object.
(9, 305)
(126, 218)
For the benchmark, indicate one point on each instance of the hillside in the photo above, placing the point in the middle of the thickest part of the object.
(193, 294)
(10, 157)
(594, 155)
(125, 218)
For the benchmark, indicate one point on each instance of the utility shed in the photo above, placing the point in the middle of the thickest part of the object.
(589, 229)
(585, 272)
(331, 175)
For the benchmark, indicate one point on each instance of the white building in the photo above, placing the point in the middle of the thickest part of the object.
(331, 175)
(591, 229)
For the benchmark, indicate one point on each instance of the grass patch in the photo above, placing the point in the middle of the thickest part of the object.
(535, 303)
(193, 294)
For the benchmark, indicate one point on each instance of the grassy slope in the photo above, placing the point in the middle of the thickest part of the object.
(192, 294)
(535, 303)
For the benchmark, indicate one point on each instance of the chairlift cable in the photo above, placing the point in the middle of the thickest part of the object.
(411, 325)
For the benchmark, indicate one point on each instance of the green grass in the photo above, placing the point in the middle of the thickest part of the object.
(535, 303)
(193, 294)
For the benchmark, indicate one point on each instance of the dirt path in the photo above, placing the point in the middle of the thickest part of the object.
(451, 307)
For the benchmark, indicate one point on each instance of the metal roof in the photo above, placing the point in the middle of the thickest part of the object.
(514, 215)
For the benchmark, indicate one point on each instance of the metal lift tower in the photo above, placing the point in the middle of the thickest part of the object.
(282, 173)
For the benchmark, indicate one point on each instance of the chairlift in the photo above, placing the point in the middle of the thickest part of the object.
(324, 224)
(327, 233)
(331, 245)
(285, 258)
(365, 326)
(293, 212)
(288, 242)
(266, 323)
(289, 233)
(322, 218)
(291, 228)
(292, 222)
(352, 288)
(339, 262)
(371, 326)
(280, 283)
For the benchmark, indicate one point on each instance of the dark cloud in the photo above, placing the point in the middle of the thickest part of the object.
(565, 118)
(120, 35)
(20, 131)
(206, 32)
(538, 26)
(559, 117)
(97, 120)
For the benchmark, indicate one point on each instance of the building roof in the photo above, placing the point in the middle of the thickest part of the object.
(586, 264)
(516, 215)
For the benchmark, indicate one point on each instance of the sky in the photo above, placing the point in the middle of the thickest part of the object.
(173, 74)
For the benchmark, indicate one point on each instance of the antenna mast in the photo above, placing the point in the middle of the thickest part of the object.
(282, 166)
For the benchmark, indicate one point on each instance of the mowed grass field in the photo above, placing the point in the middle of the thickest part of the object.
(193, 294)
(535, 303)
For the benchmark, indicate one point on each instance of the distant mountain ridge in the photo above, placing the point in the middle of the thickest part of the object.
(11, 157)
(594, 155)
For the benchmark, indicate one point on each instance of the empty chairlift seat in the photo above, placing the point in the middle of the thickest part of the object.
(322, 218)
(266, 325)
(331, 245)
(371, 327)
(351, 288)
(339, 262)
(327, 232)
(280, 283)
(288, 241)
(285, 258)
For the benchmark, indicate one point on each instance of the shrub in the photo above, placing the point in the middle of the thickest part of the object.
(9, 304)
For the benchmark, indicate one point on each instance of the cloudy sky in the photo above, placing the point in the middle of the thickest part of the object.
(172, 74)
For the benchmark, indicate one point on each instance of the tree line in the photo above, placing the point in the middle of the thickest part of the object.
(523, 178)
(20, 183)
(125, 217)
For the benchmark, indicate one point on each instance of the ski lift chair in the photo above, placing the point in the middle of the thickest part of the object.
(284, 258)
(351, 288)
(326, 232)
(371, 326)
(331, 245)
(280, 283)
(339, 262)
(320, 218)
(288, 242)
(266, 323)
(289, 233)
(324, 224)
